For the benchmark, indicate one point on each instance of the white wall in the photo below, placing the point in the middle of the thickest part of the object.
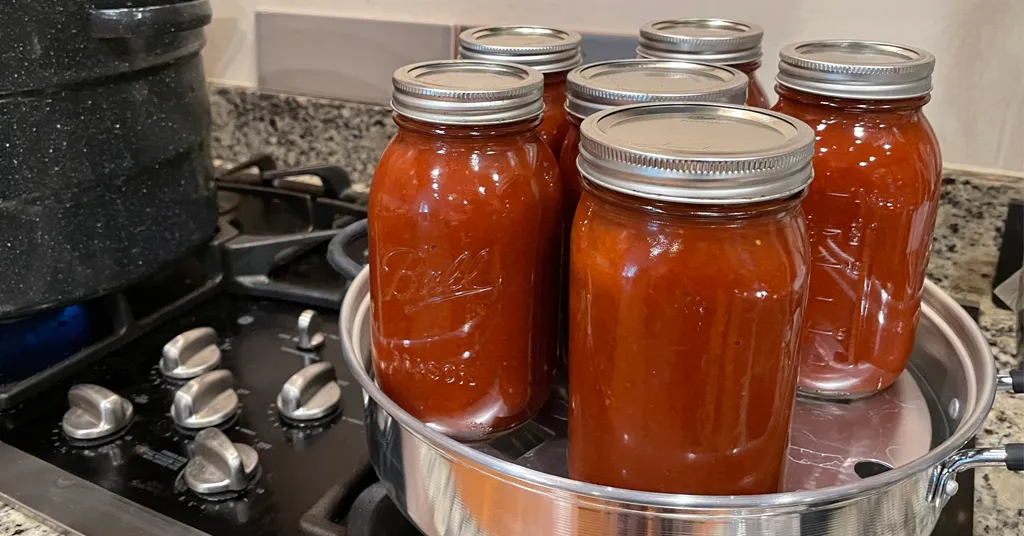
(978, 104)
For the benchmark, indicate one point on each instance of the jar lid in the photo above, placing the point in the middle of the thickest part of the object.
(599, 86)
(702, 153)
(549, 50)
(467, 92)
(719, 41)
(856, 69)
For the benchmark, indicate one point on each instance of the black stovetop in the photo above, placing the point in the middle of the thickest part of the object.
(257, 338)
(264, 268)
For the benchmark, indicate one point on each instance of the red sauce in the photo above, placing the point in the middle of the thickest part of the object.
(756, 95)
(554, 125)
(687, 315)
(870, 215)
(570, 178)
(570, 151)
(465, 230)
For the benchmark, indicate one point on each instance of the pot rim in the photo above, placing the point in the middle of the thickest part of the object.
(935, 303)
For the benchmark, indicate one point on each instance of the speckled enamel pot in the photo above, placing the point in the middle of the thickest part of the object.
(106, 170)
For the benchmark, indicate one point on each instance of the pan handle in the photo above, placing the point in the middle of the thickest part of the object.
(1012, 382)
(150, 20)
(944, 484)
(1011, 456)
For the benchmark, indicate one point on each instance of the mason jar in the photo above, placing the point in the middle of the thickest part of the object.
(599, 86)
(551, 51)
(688, 281)
(465, 216)
(870, 211)
(718, 41)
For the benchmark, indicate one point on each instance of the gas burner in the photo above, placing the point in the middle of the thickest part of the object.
(35, 342)
(106, 324)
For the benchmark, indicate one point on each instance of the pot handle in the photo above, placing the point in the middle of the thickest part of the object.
(118, 23)
(340, 260)
(1011, 456)
(944, 484)
(1012, 382)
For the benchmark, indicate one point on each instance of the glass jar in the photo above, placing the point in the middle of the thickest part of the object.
(603, 85)
(555, 124)
(870, 211)
(599, 86)
(464, 230)
(716, 41)
(551, 51)
(688, 279)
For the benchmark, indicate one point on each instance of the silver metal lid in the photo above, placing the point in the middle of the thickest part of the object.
(719, 41)
(599, 86)
(701, 153)
(467, 92)
(856, 69)
(549, 50)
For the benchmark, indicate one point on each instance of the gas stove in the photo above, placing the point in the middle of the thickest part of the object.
(213, 397)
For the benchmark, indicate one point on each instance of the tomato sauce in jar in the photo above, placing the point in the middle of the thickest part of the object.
(870, 210)
(551, 51)
(716, 41)
(688, 280)
(464, 237)
(603, 85)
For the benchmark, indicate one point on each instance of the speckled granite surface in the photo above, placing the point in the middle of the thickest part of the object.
(14, 523)
(299, 131)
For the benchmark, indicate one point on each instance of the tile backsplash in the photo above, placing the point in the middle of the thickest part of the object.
(342, 57)
(607, 46)
(352, 58)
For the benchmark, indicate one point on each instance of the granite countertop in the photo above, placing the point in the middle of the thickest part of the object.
(15, 523)
(999, 493)
(964, 253)
(299, 131)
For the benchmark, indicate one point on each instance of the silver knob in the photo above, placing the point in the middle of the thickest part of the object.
(190, 354)
(216, 465)
(311, 393)
(310, 335)
(206, 401)
(95, 413)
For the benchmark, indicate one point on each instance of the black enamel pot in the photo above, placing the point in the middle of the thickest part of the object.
(105, 168)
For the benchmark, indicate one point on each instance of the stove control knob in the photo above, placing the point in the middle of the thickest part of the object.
(209, 400)
(95, 413)
(190, 354)
(311, 393)
(216, 465)
(310, 335)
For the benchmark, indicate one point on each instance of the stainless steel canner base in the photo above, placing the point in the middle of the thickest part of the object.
(870, 466)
